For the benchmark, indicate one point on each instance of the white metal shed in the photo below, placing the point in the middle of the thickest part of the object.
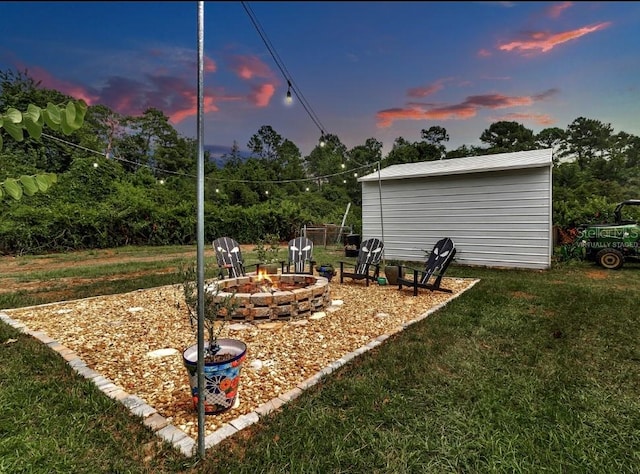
(496, 208)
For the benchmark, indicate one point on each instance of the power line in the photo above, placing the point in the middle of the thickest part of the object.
(216, 179)
(287, 76)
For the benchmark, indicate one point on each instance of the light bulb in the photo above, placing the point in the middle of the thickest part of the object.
(289, 99)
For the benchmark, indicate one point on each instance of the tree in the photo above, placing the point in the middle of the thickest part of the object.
(550, 137)
(153, 142)
(402, 151)
(364, 157)
(361, 159)
(290, 168)
(432, 147)
(464, 150)
(105, 127)
(504, 137)
(265, 143)
(325, 162)
(233, 159)
(18, 90)
(585, 140)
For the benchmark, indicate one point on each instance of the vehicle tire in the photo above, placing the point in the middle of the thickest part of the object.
(611, 259)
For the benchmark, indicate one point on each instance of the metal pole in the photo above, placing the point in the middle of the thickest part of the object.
(381, 216)
(200, 232)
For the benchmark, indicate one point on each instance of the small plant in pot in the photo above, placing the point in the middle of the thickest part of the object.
(268, 253)
(223, 357)
(326, 270)
(393, 271)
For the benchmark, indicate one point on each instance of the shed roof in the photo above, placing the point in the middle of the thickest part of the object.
(469, 164)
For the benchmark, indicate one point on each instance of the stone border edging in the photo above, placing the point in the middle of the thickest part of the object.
(170, 433)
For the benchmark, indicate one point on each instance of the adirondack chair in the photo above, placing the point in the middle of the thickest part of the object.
(229, 257)
(367, 265)
(436, 265)
(300, 253)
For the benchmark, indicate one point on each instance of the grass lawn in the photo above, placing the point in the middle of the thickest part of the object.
(529, 371)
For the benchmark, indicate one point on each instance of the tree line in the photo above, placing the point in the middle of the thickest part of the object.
(130, 180)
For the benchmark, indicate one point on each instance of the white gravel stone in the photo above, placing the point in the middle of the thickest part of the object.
(163, 352)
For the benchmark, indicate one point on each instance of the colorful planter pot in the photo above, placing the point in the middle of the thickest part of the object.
(221, 378)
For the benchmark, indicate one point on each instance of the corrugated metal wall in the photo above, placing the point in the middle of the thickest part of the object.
(497, 218)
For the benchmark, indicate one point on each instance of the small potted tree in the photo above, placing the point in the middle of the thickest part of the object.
(268, 254)
(223, 357)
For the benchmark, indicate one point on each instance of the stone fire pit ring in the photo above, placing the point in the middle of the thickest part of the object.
(268, 303)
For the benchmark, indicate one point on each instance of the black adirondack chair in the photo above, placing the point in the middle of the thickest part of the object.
(367, 266)
(229, 257)
(300, 254)
(436, 265)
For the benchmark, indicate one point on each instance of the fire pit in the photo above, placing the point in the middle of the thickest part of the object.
(281, 297)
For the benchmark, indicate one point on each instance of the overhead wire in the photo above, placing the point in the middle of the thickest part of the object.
(187, 175)
(283, 69)
(291, 86)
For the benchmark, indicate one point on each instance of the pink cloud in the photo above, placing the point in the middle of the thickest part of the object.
(425, 90)
(66, 87)
(169, 87)
(497, 101)
(209, 65)
(175, 96)
(540, 119)
(261, 95)
(248, 67)
(484, 53)
(209, 106)
(385, 118)
(464, 110)
(554, 11)
(544, 42)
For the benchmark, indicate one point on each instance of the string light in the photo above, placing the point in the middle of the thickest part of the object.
(292, 86)
(95, 164)
(186, 175)
(322, 140)
(289, 99)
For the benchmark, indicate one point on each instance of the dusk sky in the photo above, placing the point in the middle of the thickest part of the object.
(367, 69)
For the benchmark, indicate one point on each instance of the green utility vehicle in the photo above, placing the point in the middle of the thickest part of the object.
(610, 245)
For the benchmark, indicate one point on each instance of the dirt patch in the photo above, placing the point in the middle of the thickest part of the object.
(24, 264)
(12, 268)
(597, 274)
